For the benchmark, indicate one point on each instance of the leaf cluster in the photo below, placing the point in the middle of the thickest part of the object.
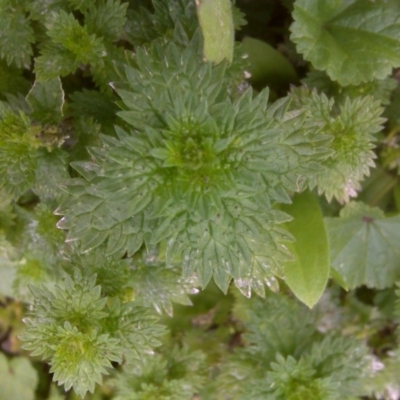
(140, 160)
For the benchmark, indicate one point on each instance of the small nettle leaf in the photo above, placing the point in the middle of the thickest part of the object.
(16, 36)
(106, 19)
(46, 100)
(307, 275)
(71, 45)
(364, 246)
(347, 40)
(18, 144)
(55, 61)
(177, 19)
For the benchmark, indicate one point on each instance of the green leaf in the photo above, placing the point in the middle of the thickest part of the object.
(216, 22)
(16, 36)
(379, 89)
(308, 273)
(7, 268)
(51, 171)
(352, 126)
(106, 20)
(17, 152)
(364, 246)
(267, 65)
(180, 373)
(55, 61)
(71, 45)
(46, 99)
(354, 41)
(12, 80)
(171, 19)
(18, 378)
(160, 286)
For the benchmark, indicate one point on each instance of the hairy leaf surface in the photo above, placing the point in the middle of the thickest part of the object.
(354, 41)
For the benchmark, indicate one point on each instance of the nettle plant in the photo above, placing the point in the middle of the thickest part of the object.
(145, 156)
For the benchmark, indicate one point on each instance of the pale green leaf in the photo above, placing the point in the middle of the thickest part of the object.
(18, 378)
(7, 268)
(160, 287)
(46, 100)
(354, 41)
(364, 246)
(216, 22)
(308, 273)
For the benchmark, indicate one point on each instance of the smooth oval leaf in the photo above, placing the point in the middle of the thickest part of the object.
(354, 41)
(308, 274)
(268, 67)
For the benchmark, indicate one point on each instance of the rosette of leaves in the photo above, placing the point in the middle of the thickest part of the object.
(287, 358)
(176, 373)
(352, 124)
(81, 333)
(194, 169)
(30, 137)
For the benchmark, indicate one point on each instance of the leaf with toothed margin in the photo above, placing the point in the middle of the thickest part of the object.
(161, 287)
(364, 246)
(201, 172)
(354, 41)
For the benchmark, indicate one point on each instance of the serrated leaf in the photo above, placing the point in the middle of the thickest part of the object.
(364, 246)
(379, 89)
(352, 126)
(106, 19)
(308, 273)
(46, 99)
(354, 41)
(71, 45)
(16, 36)
(55, 61)
(18, 378)
(216, 22)
(160, 287)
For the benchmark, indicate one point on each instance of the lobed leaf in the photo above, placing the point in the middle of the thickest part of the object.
(363, 246)
(353, 41)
